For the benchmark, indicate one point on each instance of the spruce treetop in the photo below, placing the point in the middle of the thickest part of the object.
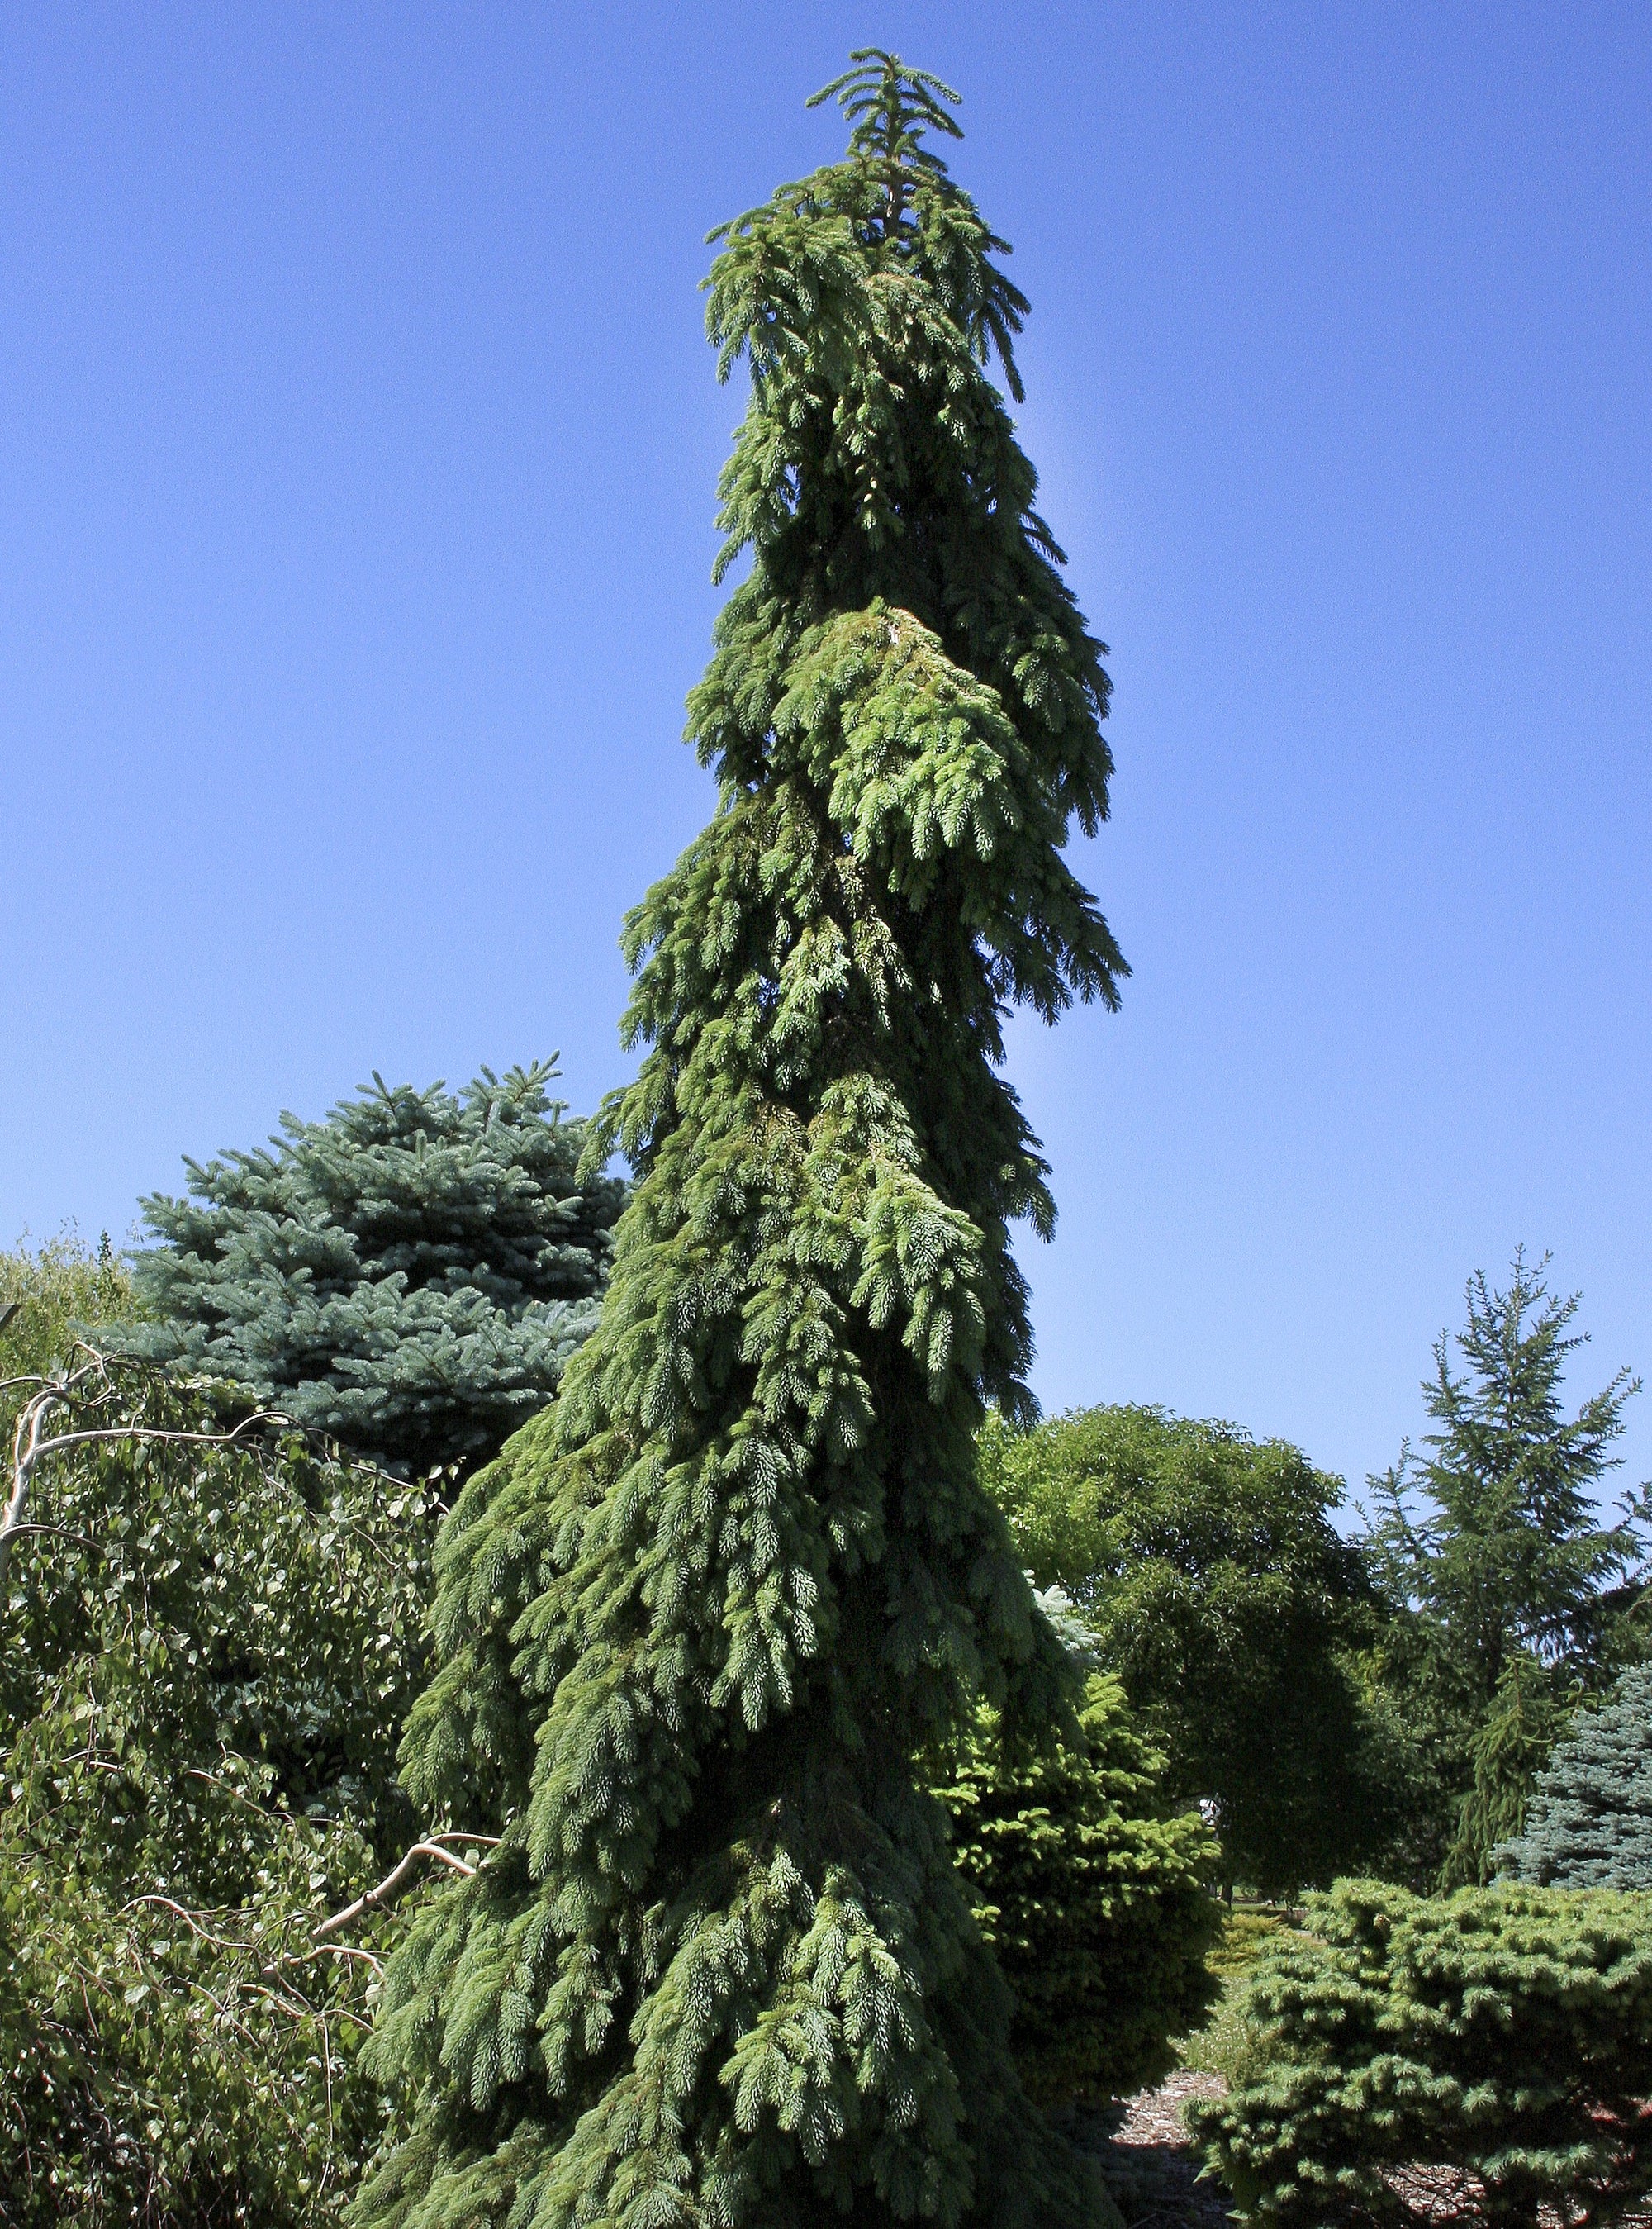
(1510, 1552)
(699, 1624)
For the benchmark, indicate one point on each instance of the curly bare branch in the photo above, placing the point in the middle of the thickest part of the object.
(400, 1871)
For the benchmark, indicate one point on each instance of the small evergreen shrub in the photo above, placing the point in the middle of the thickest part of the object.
(1476, 2058)
(1227, 2043)
(1590, 1821)
(410, 1273)
(1093, 1898)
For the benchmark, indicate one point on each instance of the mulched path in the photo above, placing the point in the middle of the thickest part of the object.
(1151, 2167)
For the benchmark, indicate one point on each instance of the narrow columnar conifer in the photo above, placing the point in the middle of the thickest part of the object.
(698, 1623)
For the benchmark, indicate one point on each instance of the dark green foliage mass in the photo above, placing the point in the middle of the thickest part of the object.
(1509, 1592)
(701, 1624)
(1473, 2057)
(1589, 1824)
(1207, 1567)
(1094, 1899)
(1505, 1752)
(205, 1653)
(410, 1273)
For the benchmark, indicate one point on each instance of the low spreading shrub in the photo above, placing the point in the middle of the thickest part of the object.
(1476, 2058)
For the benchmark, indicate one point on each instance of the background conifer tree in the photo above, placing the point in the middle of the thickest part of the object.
(699, 1621)
(1510, 1552)
(410, 1273)
(1508, 1592)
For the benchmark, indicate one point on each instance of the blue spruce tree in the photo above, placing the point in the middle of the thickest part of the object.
(700, 1623)
(410, 1273)
(1589, 1824)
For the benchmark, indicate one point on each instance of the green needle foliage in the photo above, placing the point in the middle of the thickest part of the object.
(1482, 2058)
(410, 1275)
(700, 1623)
(1590, 1821)
(1508, 1592)
(1506, 1751)
(1093, 1897)
(1508, 1552)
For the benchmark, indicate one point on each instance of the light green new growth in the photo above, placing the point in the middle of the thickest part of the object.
(696, 1625)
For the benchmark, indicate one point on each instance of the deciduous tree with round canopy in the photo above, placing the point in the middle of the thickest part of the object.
(1219, 1591)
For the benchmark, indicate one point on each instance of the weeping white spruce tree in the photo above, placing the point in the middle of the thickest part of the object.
(699, 1625)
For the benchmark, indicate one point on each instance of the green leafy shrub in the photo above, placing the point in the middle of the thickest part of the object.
(1476, 2058)
(45, 1299)
(1094, 1899)
(206, 1651)
(188, 2068)
(1589, 1824)
(410, 1273)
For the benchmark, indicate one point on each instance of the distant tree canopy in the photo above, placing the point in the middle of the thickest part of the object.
(410, 1273)
(46, 1297)
(1221, 1592)
(1511, 1592)
(1589, 1823)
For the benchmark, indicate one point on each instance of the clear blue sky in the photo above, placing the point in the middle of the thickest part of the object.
(355, 525)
